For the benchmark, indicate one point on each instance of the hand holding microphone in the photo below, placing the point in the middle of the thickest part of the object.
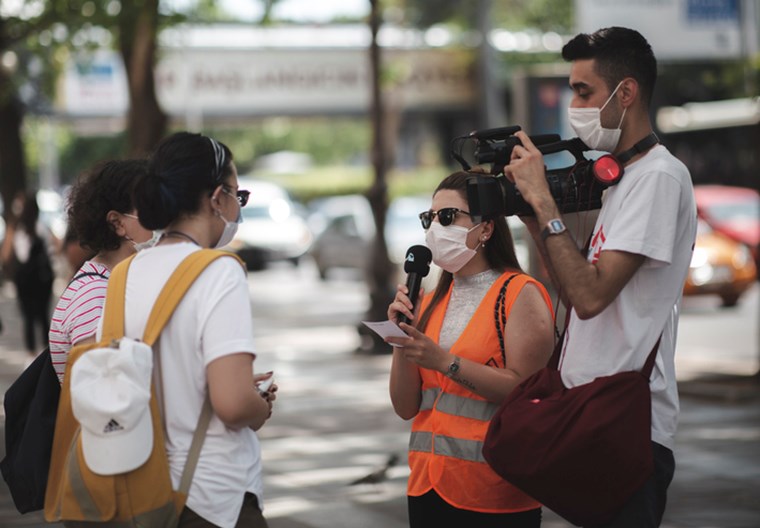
(417, 266)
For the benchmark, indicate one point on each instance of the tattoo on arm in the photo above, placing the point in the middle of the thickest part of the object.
(465, 383)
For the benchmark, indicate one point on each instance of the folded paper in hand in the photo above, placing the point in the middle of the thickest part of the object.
(385, 329)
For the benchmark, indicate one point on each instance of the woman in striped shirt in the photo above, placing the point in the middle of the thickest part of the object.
(102, 214)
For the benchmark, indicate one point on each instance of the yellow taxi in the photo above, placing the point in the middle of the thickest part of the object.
(719, 266)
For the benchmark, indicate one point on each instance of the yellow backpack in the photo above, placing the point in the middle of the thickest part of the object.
(144, 496)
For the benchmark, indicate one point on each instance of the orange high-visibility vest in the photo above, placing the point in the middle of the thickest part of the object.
(448, 431)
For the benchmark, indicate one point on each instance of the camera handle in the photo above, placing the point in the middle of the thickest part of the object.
(575, 146)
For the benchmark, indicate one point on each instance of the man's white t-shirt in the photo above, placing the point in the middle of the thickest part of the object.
(212, 320)
(651, 212)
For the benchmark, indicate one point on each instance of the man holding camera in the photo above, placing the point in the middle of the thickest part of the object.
(626, 293)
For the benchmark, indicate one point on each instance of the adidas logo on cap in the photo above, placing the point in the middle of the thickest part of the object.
(112, 426)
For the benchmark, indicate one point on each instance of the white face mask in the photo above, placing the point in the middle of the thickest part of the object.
(449, 246)
(230, 228)
(152, 241)
(587, 124)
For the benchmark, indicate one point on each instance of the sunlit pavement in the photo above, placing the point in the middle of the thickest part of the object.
(333, 422)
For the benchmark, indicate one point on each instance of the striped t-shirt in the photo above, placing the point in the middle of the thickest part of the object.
(77, 313)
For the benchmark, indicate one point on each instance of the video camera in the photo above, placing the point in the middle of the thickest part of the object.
(574, 189)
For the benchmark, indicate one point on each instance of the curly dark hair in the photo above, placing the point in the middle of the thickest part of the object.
(107, 187)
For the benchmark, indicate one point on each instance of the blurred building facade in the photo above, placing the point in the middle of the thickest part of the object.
(214, 74)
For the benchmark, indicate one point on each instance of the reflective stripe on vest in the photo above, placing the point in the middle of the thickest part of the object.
(428, 398)
(470, 450)
(457, 405)
(466, 407)
(421, 441)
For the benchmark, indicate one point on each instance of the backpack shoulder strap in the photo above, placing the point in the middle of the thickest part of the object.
(176, 287)
(87, 274)
(113, 312)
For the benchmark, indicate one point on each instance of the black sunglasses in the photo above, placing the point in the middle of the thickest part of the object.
(241, 195)
(445, 216)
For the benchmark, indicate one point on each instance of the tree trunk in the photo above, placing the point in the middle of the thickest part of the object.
(146, 121)
(12, 163)
(380, 269)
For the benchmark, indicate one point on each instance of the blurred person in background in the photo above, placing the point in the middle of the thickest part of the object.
(458, 364)
(102, 215)
(26, 258)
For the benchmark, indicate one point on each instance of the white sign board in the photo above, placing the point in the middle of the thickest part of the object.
(94, 85)
(257, 82)
(676, 29)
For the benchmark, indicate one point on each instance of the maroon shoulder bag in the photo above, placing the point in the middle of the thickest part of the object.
(582, 452)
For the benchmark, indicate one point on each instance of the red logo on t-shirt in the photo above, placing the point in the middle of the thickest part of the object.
(597, 243)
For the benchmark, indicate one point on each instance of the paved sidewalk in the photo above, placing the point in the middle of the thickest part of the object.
(333, 424)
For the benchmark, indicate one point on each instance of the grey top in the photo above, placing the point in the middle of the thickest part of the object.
(466, 296)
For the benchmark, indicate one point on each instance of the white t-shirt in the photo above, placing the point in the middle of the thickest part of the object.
(212, 320)
(651, 212)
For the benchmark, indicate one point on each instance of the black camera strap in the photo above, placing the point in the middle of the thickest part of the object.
(648, 142)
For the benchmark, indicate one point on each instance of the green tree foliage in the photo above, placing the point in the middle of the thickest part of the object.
(515, 15)
(39, 37)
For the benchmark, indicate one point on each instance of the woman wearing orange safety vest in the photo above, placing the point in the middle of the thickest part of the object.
(452, 372)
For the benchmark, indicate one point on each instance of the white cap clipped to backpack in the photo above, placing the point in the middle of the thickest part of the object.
(110, 397)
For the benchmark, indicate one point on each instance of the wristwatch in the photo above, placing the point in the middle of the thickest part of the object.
(453, 367)
(554, 227)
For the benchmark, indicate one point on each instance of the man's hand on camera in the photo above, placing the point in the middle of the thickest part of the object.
(526, 170)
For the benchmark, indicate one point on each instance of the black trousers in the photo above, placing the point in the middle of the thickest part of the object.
(431, 511)
(250, 516)
(34, 304)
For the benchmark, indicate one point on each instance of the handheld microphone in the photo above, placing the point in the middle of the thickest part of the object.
(417, 266)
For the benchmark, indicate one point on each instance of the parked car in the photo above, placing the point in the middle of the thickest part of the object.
(733, 211)
(719, 266)
(272, 227)
(345, 228)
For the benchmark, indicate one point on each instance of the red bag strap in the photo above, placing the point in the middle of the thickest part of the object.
(649, 364)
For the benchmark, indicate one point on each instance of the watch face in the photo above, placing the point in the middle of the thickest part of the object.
(556, 226)
(453, 368)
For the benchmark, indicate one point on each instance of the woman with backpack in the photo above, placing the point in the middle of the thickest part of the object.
(191, 193)
(102, 214)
